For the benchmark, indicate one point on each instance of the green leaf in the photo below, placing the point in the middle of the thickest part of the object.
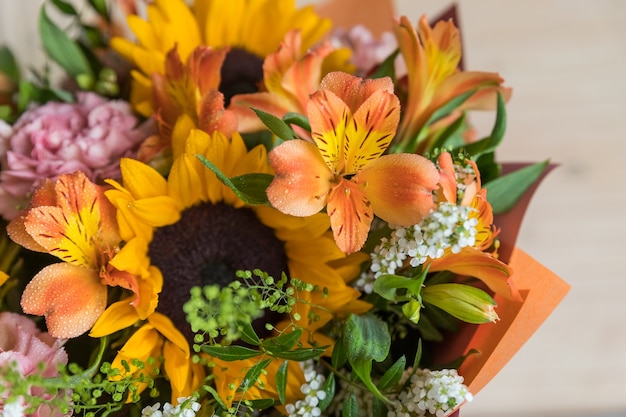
(379, 408)
(276, 125)
(339, 355)
(387, 286)
(6, 113)
(252, 375)
(388, 67)
(230, 353)
(491, 142)
(451, 135)
(281, 343)
(250, 188)
(281, 381)
(253, 186)
(61, 48)
(65, 7)
(504, 192)
(298, 120)
(366, 339)
(450, 106)
(302, 354)
(329, 388)
(8, 64)
(261, 404)
(392, 376)
(418, 354)
(350, 406)
(100, 6)
(215, 395)
(248, 334)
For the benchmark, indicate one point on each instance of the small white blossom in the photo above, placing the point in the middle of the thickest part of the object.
(430, 393)
(14, 409)
(448, 227)
(186, 407)
(312, 389)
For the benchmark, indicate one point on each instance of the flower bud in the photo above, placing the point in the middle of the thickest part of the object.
(464, 302)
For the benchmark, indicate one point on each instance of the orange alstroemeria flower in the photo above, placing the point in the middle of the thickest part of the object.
(432, 57)
(289, 79)
(352, 123)
(190, 89)
(72, 220)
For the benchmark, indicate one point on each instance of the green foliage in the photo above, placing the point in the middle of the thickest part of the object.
(250, 188)
(504, 192)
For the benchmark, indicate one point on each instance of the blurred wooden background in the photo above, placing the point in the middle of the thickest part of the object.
(566, 61)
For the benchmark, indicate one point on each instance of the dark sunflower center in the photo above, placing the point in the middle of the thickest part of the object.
(206, 246)
(241, 74)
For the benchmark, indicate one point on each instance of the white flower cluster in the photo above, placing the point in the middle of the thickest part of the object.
(430, 393)
(449, 226)
(312, 389)
(187, 407)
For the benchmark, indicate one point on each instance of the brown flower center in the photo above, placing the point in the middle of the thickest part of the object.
(242, 72)
(206, 246)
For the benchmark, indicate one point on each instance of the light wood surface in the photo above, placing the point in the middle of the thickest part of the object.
(566, 61)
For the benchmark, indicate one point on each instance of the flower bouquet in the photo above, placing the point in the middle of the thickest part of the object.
(268, 214)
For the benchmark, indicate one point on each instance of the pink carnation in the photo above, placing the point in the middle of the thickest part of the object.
(61, 138)
(21, 342)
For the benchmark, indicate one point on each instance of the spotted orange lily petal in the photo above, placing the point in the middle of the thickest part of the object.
(302, 180)
(352, 123)
(289, 78)
(399, 187)
(432, 56)
(70, 297)
(474, 263)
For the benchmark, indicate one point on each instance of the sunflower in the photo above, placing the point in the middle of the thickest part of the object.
(252, 29)
(200, 233)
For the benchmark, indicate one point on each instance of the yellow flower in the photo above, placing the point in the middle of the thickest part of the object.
(207, 234)
(256, 27)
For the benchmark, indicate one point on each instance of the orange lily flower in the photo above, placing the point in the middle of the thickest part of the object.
(191, 90)
(432, 57)
(352, 123)
(72, 220)
(289, 78)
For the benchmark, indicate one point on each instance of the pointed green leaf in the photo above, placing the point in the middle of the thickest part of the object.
(61, 48)
(8, 64)
(491, 142)
(248, 334)
(100, 6)
(64, 7)
(329, 388)
(276, 125)
(252, 375)
(301, 354)
(379, 408)
(392, 376)
(418, 355)
(298, 120)
(261, 404)
(451, 136)
(230, 353)
(504, 192)
(387, 286)
(339, 355)
(281, 343)
(350, 406)
(281, 381)
(250, 188)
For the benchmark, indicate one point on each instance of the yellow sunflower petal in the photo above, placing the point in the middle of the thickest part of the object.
(117, 316)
